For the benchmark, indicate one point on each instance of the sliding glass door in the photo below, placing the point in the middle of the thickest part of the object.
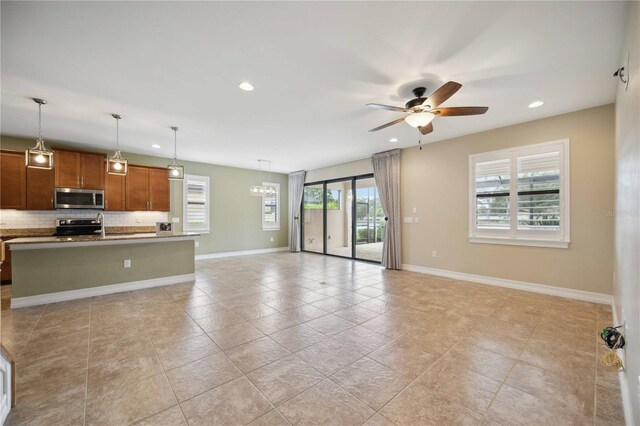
(370, 221)
(313, 218)
(339, 210)
(343, 217)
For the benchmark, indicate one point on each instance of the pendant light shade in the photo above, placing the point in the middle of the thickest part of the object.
(39, 157)
(116, 165)
(175, 170)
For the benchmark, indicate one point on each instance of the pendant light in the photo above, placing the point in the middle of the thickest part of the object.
(116, 165)
(260, 190)
(176, 171)
(39, 157)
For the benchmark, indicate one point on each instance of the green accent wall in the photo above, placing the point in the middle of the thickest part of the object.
(235, 216)
(42, 271)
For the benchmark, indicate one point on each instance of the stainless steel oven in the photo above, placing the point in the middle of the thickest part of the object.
(71, 198)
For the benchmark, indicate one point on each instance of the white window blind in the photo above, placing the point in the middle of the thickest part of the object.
(271, 209)
(196, 203)
(521, 195)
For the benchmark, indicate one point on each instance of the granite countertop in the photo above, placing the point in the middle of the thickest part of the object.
(94, 239)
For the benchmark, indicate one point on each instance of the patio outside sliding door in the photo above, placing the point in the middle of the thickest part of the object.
(369, 219)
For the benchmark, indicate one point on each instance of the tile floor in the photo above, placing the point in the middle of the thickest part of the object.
(307, 339)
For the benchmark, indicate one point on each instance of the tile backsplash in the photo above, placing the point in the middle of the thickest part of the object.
(16, 219)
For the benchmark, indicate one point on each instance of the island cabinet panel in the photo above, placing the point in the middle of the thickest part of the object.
(137, 188)
(158, 190)
(40, 189)
(75, 169)
(114, 192)
(13, 180)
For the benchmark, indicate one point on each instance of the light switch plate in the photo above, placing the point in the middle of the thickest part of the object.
(175, 219)
(416, 219)
(408, 219)
(127, 263)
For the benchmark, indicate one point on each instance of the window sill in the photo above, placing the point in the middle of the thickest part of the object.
(270, 229)
(199, 231)
(520, 242)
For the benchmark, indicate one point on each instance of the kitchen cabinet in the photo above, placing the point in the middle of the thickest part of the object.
(13, 180)
(40, 189)
(147, 188)
(114, 192)
(75, 169)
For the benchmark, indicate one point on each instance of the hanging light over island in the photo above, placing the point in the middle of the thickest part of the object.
(116, 165)
(39, 157)
(175, 171)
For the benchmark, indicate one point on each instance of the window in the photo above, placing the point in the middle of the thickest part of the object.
(196, 203)
(271, 209)
(313, 198)
(521, 196)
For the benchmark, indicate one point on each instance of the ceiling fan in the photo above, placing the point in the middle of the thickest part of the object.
(423, 110)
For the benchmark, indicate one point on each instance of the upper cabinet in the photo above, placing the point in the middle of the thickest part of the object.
(147, 188)
(114, 192)
(39, 189)
(83, 170)
(13, 180)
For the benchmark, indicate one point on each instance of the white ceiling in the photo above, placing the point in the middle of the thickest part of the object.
(314, 66)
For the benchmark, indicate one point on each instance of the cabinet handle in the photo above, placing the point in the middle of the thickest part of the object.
(82, 181)
(77, 180)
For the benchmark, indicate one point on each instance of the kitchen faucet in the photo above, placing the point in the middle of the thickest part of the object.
(100, 218)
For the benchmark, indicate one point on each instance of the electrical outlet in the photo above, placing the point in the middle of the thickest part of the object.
(414, 210)
(175, 219)
(434, 253)
(197, 244)
(271, 239)
(127, 263)
(416, 219)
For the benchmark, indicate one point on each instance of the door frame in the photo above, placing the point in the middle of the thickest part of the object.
(353, 180)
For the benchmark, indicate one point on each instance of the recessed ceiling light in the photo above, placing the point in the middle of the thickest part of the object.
(246, 86)
(393, 140)
(156, 146)
(536, 104)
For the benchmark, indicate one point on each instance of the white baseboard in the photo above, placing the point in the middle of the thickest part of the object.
(61, 296)
(624, 388)
(239, 253)
(587, 296)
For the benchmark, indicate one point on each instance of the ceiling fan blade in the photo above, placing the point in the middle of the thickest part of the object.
(387, 125)
(387, 107)
(442, 94)
(448, 112)
(426, 129)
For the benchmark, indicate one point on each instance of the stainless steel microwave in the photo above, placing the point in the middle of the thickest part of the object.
(71, 198)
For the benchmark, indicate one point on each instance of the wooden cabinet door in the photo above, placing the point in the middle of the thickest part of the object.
(137, 188)
(92, 170)
(159, 190)
(67, 169)
(5, 275)
(13, 180)
(40, 189)
(114, 192)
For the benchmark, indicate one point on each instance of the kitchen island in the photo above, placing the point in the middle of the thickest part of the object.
(53, 269)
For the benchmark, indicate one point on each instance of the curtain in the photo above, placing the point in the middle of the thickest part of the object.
(386, 171)
(296, 188)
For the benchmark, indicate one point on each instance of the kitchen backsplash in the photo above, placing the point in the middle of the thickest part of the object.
(15, 219)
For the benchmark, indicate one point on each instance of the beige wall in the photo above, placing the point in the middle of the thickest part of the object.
(352, 168)
(436, 182)
(236, 222)
(627, 208)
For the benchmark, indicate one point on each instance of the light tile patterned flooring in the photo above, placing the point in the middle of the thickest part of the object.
(307, 339)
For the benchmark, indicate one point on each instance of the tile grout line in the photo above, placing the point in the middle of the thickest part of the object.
(86, 382)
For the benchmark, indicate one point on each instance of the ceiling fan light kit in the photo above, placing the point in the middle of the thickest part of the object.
(423, 110)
